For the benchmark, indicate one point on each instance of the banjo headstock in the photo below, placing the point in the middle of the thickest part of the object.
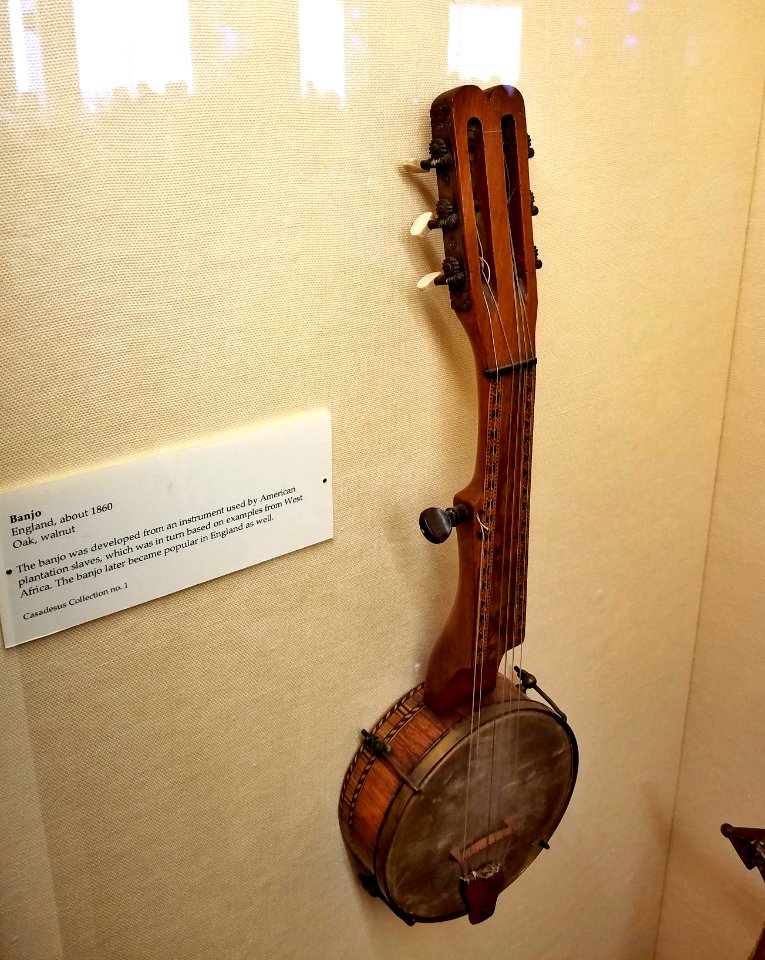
(480, 152)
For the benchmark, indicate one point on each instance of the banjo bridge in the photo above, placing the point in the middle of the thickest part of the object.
(483, 843)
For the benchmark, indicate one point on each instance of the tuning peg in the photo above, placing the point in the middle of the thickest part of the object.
(440, 157)
(453, 275)
(415, 166)
(421, 225)
(446, 216)
(531, 149)
(436, 524)
(537, 261)
(534, 207)
(445, 219)
(428, 280)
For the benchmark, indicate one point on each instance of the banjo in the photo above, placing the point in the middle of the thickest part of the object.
(459, 785)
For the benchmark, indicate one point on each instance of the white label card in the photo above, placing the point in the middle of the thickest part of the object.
(85, 546)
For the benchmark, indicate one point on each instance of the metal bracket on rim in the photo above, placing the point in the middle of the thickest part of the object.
(529, 682)
(381, 748)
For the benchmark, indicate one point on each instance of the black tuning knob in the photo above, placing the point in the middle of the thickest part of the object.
(537, 261)
(531, 149)
(439, 156)
(445, 218)
(436, 524)
(534, 207)
(453, 275)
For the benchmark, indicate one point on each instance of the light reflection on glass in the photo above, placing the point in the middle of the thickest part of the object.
(322, 46)
(25, 47)
(125, 43)
(229, 40)
(485, 42)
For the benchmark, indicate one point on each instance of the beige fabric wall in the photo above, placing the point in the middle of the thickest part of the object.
(712, 906)
(176, 266)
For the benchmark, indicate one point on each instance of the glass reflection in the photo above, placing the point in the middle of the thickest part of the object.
(140, 50)
(25, 46)
(126, 43)
(485, 42)
(322, 46)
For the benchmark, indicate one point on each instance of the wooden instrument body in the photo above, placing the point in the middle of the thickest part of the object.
(407, 843)
(487, 183)
(461, 783)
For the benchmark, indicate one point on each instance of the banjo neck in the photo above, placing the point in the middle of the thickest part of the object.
(480, 153)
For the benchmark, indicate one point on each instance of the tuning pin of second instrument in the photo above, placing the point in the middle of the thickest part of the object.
(531, 149)
(534, 207)
(537, 261)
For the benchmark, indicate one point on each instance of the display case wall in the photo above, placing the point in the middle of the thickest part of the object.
(710, 900)
(182, 264)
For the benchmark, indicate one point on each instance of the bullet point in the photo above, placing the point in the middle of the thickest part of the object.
(9, 572)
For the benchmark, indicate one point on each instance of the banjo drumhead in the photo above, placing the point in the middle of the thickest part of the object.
(523, 764)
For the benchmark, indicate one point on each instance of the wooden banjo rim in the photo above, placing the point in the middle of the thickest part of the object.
(428, 764)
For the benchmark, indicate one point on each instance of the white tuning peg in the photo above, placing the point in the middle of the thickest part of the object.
(413, 166)
(420, 226)
(428, 280)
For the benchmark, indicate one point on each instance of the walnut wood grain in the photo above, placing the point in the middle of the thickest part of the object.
(487, 183)
(370, 783)
(377, 802)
